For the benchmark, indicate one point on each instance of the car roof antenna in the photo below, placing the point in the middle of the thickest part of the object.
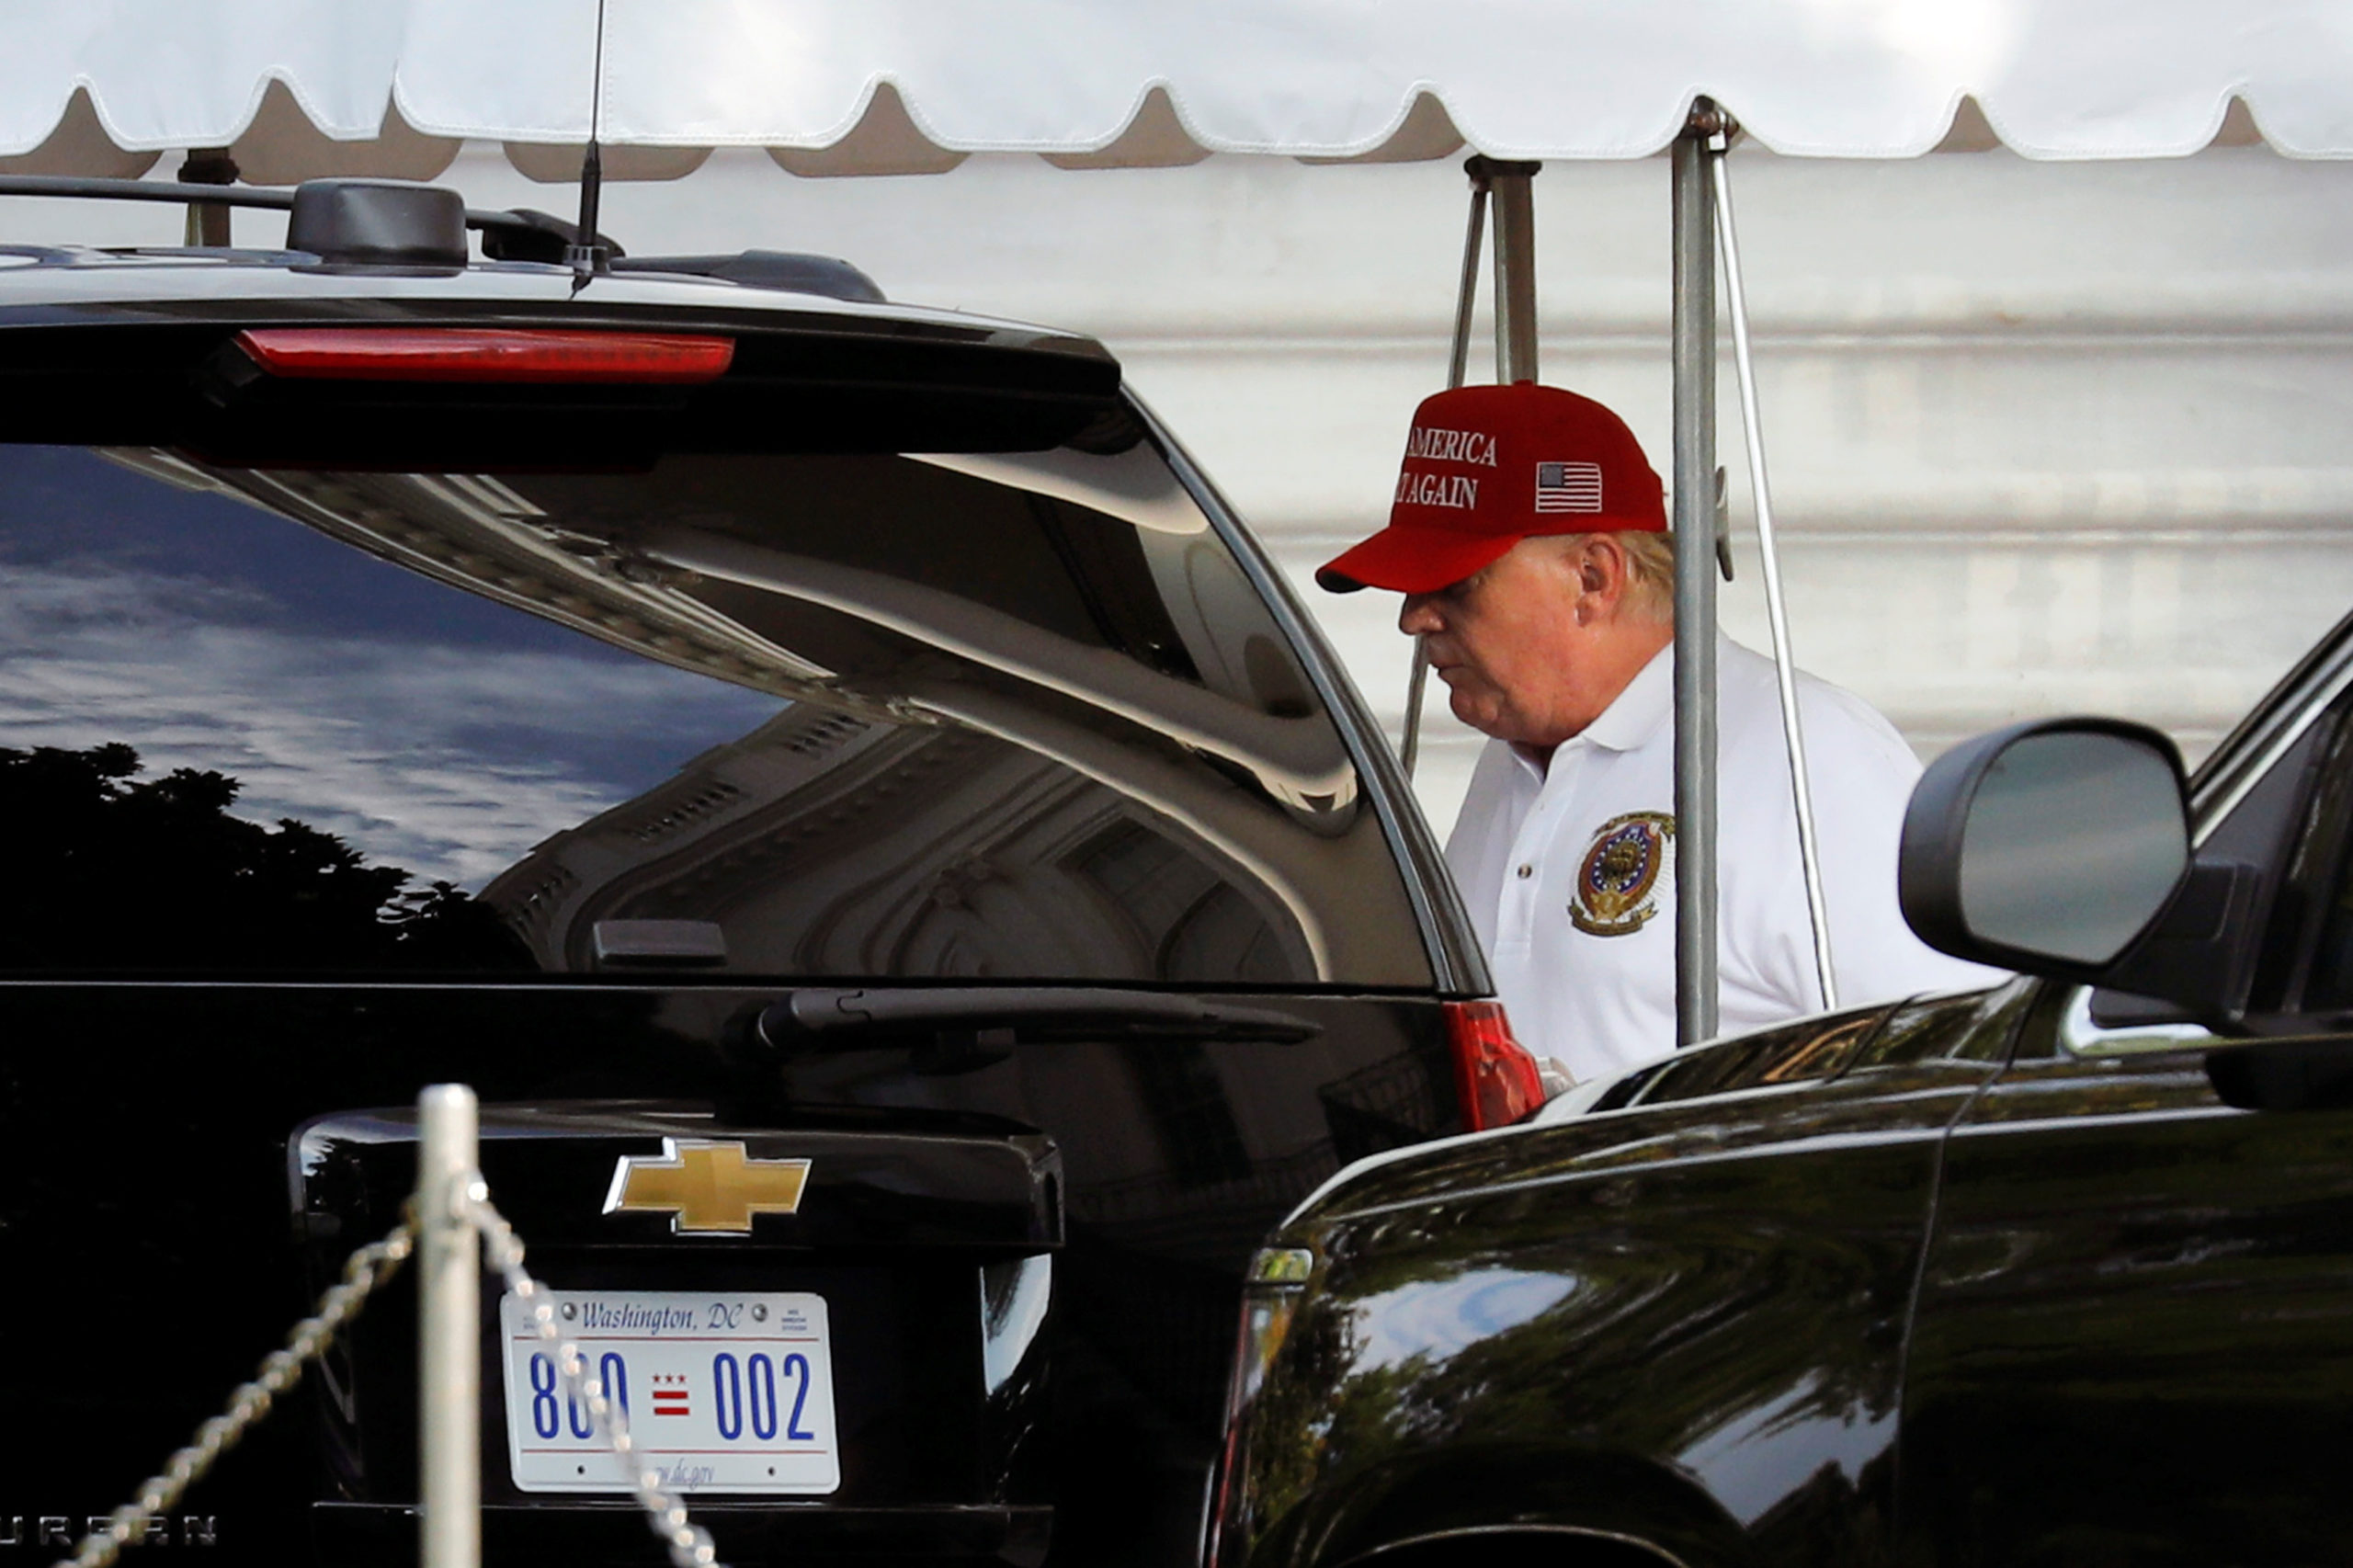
(586, 255)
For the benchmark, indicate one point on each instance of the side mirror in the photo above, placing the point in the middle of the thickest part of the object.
(2046, 848)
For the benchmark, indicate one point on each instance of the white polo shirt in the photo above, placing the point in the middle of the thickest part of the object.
(1569, 871)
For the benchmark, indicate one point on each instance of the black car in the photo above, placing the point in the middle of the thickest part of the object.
(740, 726)
(2059, 1272)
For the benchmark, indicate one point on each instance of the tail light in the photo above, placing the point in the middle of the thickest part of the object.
(1497, 1078)
(471, 354)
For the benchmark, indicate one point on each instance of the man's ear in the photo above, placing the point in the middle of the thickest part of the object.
(1602, 570)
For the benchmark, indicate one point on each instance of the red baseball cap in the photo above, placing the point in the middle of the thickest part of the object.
(1486, 467)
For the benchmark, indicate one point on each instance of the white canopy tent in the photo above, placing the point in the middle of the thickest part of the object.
(304, 88)
(909, 86)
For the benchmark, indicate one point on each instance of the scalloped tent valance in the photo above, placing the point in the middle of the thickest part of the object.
(909, 86)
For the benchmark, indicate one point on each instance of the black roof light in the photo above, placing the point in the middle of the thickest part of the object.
(506, 236)
(382, 222)
(378, 222)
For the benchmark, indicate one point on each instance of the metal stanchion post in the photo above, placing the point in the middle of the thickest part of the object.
(1695, 583)
(448, 1330)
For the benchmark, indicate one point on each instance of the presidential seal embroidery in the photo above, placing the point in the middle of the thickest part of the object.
(1617, 886)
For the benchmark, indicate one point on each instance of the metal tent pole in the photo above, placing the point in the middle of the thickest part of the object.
(1514, 269)
(1409, 748)
(207, 222)
(1466, 292)
(1515, 200)
(1695, 581)
(1784, 666)
(448, 1369)
(1458, 364)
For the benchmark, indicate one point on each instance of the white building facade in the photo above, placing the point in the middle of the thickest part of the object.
(2045, 437)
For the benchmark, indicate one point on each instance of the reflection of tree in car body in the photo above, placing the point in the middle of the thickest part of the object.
(156, 873)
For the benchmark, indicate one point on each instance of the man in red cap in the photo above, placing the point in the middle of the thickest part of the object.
(1529, 536)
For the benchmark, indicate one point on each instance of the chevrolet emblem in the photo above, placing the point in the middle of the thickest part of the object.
(705, 1187)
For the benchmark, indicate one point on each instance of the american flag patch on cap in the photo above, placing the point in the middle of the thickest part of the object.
(1568, 487)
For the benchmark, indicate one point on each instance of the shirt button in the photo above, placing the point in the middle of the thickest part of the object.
(1526, 872)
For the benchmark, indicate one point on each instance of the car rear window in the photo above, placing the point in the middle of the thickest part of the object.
(1016, 716)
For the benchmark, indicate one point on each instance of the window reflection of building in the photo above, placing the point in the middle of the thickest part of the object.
(1199, 926)
(827, 844)
(1031, 682)
(1187, 1103)
(480, 534)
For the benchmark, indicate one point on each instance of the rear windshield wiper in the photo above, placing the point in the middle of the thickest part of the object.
(960, 1028)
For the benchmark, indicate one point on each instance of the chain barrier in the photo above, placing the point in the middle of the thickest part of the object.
(363, 1273)
(366, 1271)
(689, 1544)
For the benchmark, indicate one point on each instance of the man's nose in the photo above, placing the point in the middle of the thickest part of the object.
(1418, 616)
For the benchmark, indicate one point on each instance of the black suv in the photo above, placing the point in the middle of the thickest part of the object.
(739, 725)
(2053, 1273)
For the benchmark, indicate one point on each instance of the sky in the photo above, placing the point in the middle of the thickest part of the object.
(433, 729)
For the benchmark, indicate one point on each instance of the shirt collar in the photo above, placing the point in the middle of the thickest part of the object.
(1632, 718)
(1647, 702)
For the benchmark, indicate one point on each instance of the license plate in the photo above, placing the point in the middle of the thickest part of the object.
(725, 1393)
